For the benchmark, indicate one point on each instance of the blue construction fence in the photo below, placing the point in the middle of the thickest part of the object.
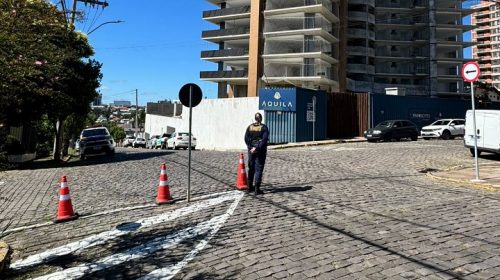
(420, 110)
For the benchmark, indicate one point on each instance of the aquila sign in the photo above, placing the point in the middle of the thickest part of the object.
(278, 100)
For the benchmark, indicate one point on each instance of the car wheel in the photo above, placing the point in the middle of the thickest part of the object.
(175, 147)
(387, 137)
(185, 148)
(426, 138)
(82, 156)
(446, 135)
(414, 138)
(193, 148)
(371, 140)
(110, 153)
(472, 152)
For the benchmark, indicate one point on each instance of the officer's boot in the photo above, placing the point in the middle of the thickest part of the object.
(258, 190)
(250, 189)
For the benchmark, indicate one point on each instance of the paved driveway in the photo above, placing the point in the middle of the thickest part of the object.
(346, 211)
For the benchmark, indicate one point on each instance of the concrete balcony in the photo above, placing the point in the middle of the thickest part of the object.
(317, 9)
(360, 68)
(389, 4)
(221, 15)
(389, 71)
(222, 55)
(363, 2)
(361, 51)
(361, 16)
(221, 35)
(277, 5)
(224, 75)
(360, 33)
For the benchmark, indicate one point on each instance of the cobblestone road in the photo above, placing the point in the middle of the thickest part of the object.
(346, 211)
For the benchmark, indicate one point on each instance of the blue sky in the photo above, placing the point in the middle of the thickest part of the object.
(155, 50)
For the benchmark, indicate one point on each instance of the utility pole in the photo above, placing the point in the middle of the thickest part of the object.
(136, 114)
(56, 155)
(104, 4)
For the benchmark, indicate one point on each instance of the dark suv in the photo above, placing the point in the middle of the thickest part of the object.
(96, 141)
(395, 129)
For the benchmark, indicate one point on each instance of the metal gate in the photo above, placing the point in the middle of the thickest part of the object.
(347, 114)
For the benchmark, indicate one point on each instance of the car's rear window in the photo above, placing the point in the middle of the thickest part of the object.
(183, 134)
(94, 132)
(141, 139)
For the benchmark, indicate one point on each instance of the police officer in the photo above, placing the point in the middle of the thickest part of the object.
(256, 138)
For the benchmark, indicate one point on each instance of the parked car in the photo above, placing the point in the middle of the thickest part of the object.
(445, 129)
(392, 130)
(487, 130)
(95, 141)
(161, 142)
(128, 141)
(180, 140)
(152, 142)
(139, 142)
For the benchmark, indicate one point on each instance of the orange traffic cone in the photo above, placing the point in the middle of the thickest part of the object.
(65, 209)
(241, 178)
(163, 196)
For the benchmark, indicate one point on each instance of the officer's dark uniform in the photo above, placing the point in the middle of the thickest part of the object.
(257, 135)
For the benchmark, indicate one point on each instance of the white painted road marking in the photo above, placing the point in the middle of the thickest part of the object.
(171, 271)
(141, 251)
(103, 237)
(159, 243)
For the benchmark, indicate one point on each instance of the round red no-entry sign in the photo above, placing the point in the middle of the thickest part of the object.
(470, 71)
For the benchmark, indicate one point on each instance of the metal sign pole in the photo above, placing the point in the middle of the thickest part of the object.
(314, 118)
(475, 129)
(189, 145)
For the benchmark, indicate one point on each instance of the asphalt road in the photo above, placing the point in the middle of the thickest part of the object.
(345, 211)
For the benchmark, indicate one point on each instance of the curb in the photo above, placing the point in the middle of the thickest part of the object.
(486, 186)
(5, 254)
(311, 144)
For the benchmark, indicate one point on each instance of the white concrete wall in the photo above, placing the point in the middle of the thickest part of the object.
(218, 124)
(157, 125)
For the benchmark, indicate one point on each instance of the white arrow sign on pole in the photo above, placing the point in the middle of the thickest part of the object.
(470, 73)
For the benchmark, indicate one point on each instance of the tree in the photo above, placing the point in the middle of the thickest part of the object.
(44, 66)
(117, 132)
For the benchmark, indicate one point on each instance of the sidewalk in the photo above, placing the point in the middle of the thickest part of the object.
(316, 143)
(490, 173)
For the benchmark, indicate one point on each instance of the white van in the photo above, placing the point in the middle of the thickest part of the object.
(488, 131)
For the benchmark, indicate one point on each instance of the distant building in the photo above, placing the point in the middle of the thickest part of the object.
(164, 108)
(98, 100)
(486, 36)
(122, 103)
(417, 45)
(275, 43)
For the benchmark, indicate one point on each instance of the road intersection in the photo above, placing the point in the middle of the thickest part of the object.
(345, 211)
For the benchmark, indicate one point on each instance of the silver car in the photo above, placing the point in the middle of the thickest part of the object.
(445, 129)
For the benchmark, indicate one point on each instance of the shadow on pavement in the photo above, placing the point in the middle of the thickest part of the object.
(353, 236)
(92, 160)
(288, 189)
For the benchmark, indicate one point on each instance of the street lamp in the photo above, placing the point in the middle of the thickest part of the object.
(104, 23)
